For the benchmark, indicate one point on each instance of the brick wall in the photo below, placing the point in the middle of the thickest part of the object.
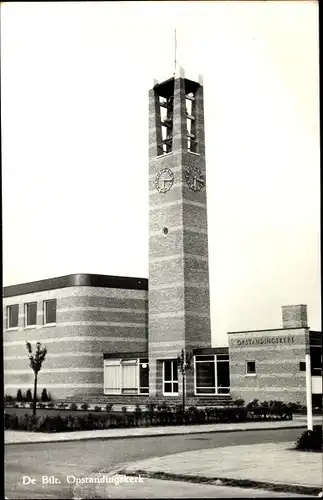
(277, 354)
(179, 304)
(90, 321)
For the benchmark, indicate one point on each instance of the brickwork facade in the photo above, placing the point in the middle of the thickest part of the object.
(277, 355)
(90, 321)
(179, 303)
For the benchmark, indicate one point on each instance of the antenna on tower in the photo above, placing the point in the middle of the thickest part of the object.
(175, 50)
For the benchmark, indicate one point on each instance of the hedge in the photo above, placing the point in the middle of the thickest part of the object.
(163, 415)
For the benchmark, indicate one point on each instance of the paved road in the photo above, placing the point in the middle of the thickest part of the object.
(80, 458)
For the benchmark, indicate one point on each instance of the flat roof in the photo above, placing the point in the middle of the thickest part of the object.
(272, 330)
(166, 88)
(93, 280)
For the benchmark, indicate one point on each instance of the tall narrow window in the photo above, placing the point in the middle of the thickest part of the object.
(205, 375)
(112, 378)
(166, 114)
(13, 315)
(223, 373)
(170, 377)
(129, 376)
(31, 314)
(50, 311)
(143, 376)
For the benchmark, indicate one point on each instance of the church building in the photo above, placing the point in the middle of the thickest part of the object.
(119, 339)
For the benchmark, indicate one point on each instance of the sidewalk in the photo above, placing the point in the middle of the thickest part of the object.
(24, 437)
(271, 466)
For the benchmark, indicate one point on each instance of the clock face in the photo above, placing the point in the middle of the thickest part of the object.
(194, 178)
(164, 180)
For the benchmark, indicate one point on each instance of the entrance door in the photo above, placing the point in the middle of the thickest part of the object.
(170, 377)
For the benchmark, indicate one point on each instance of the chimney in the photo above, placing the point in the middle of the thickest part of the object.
(294, 316)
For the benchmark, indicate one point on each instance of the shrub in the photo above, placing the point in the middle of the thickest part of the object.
(163, 407)
(44, 396)
(97, 408)
(108, 407)
(253, 404)
(310, 440)
(238, 402)
(10, 421)
(73, 407)
(28, 396)
(84, 406)
(293, 406)
(150, 413)
(19, 396)
(9, 400)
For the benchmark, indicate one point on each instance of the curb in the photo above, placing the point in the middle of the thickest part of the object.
(163, 434)
(223, 481)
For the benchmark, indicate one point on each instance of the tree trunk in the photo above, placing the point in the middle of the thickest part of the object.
(35, 395)
(183, 391)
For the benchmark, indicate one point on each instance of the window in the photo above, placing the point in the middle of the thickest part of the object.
(170, 377)
(223, 374)
(250, 368)
(211, 374)
(49, 311)
(126, 376)
(129, 376)
(316, 359)
(205, 375)
(31, 314)
(112, 379)
(13, 314)
(143, 376)
(302, 366)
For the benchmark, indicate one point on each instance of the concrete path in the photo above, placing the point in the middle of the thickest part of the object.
(157, 488)
(267, 467)
(15, 437)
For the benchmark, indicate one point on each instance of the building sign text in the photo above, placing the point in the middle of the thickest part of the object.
(265, 340)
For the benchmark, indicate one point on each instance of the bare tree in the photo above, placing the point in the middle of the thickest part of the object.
(35, 362)
(184, 362)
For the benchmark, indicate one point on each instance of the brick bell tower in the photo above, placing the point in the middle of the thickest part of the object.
(179, 301)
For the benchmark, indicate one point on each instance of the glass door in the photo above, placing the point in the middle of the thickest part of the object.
(170, 377)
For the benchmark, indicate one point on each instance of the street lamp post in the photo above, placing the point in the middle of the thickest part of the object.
(309, 392)
(184, 361)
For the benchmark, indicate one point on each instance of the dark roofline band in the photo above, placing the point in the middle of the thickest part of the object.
(93, 280)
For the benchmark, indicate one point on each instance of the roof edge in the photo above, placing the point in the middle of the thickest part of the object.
(81, 279)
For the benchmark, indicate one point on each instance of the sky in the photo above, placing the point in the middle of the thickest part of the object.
(74, 95)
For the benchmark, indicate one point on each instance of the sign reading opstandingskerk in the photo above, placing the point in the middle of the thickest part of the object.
(265, 340)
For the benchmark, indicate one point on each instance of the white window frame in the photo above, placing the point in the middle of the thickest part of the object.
(215, 376)
(170, 381)
(215, 388)
(139, 387)
(247, 374)
(8, 318)
(26, 314)
(120, 363)
(129, 362)
(46, 323)
(112, 362)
